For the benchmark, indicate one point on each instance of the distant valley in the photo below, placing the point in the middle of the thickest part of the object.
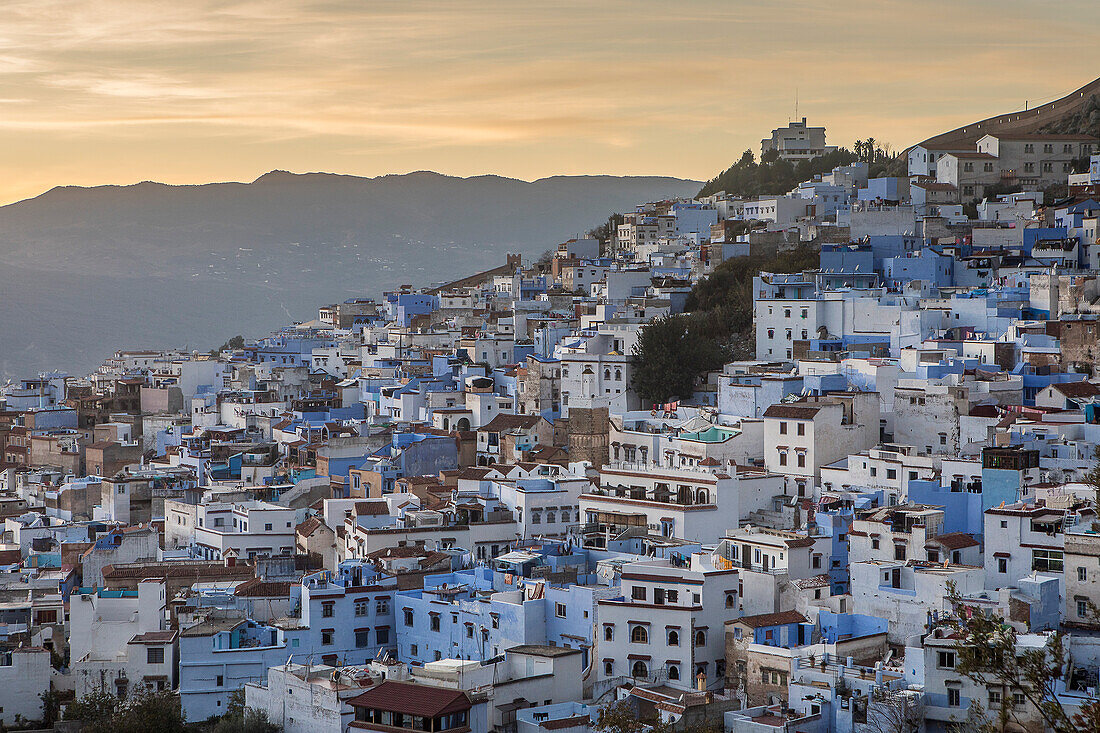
(84, 271)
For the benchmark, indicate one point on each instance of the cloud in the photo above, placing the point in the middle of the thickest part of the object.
(500, 86)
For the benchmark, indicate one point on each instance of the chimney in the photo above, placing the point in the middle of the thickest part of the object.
(701, 682)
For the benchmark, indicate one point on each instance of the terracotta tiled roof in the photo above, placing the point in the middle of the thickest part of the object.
(796, 412)
(412, 699)
(772, 619)
(954, 540)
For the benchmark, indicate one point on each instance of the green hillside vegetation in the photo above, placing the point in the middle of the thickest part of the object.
(716, 326)
(772, 176)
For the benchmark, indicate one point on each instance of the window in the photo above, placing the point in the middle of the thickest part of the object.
(608, 667)
(559, 610)
(154, 655)
(219, 681)
(1018, 699)
(673, 637)
(382, 634)
(638, 593)
(1081, 575)
(382, 605)
(328, 609)
(954, 697)
(1046, 560)
(899, 552)
(945, 660)
(360, 608)
(267, 527)
(801, 459)
(801, 428)
(673, 672)
(608, 633)
(730, 600)
(994, 698)
(639, 635)
(434, 623)
(414, 649)
(327, 637)
(782, 458)
(408, 617)
(469, 631)
(1082, 607)
(362, 638)
(782, 428)
(700, 638)
(1002, 565)
(639, 669)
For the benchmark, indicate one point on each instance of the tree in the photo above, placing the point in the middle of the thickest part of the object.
(51, 707)
(622, 717)
(145, 710)
(237, 342)
(239, 718)
(987, 652)
(150, 711)
(96, 710)
(1092, 478)
(671, 354)
(893, 711)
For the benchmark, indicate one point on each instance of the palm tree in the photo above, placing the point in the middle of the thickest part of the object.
(859, 149)
(870, 150)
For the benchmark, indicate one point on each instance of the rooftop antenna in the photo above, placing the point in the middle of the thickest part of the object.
(796, 104)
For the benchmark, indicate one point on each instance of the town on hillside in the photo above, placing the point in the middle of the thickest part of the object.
(819, 458)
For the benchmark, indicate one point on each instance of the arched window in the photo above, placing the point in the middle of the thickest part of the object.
(607, 374)
(639, 635)
(673, 637)
(729, 600)
(618, 375)
(673, 672)
(702, 497)
(550, 517)
(608, 668)
(639, 669)
(700, 638)
(608, 633)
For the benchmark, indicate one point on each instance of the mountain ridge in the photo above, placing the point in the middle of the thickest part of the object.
(85, 270)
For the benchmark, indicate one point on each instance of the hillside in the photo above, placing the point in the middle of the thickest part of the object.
(84, 271)
(1076, 113)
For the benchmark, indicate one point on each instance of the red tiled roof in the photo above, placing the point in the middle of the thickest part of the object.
(1077, 389)
(797, 412)
(954, 540)
(772, 619)
(412, 699)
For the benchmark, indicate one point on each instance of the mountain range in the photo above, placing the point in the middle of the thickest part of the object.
(85, 271)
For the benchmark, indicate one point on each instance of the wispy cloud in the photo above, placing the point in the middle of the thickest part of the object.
(111, 90)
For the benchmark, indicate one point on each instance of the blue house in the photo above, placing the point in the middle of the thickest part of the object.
(346, 618)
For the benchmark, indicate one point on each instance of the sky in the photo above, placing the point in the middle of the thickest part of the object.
(192, 91)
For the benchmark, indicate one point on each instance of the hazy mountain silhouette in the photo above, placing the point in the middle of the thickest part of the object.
(84, 271)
